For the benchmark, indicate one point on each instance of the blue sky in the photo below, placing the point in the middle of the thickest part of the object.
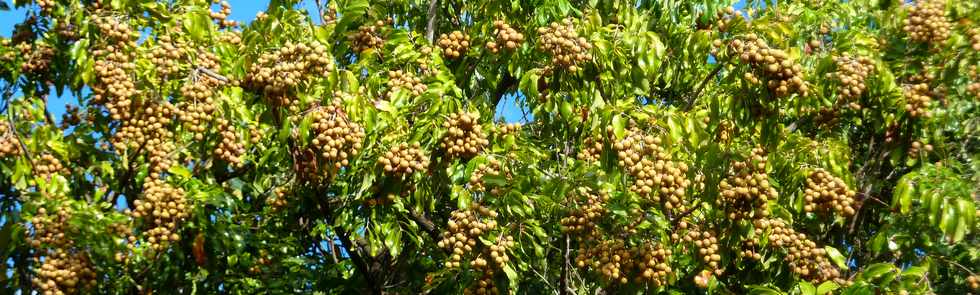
(242, 11)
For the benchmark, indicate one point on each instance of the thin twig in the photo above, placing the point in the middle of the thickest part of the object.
(214, 75)
(947, 260)
(697, 93)
(13, 129)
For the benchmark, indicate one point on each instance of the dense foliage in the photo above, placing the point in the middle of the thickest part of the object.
(799, 147)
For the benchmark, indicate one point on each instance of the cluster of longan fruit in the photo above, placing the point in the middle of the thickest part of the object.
(974, 38)
(399, 79)
(703, 278)
(783, 75)
(367, 37)
(465, 226)
(221, 16)
(166, 56)
(505, 37)
(610, 257)
(617, 263)
(64, 272)
(231, 37)
(917, 100)
(9, 145)
(336, 139)
(973, 282)
(825, 193)
(591, 150)
(46, 166)
(230, 149)
(725, 17)
(485, 284)
(917, 147)
(746, 192)
(46, 6)
(279, 199)
(404, 159)
(563, 43)
(804, 257)
(927, 22)
(197, 110)
(149, 130)
(656, 177)
(454, 44)
(49, 230)
(279, 71)
(38, 58)
(492, 167)
(498, 255)
(706, 243)
(114, 63)
(508, 128)
(851, 72)
(653, 264)
(162, 208)
(582, 220)
(748, 250)
(464, 135)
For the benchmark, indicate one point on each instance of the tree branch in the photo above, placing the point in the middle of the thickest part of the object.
(563, 288)
(505, 84)
(427, 225)
(214, 75)
(430, 24)
(697, 93)
(357, 259)
(678, 218)
(23, 147)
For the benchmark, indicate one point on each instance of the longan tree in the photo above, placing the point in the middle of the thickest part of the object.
(359, 147)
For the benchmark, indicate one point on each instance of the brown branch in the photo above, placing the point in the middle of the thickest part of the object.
(427, 225)
(319, 10)
(357, 259)
(678, 218)
(23, 147)
(430, 24)
(697, 93)
(563, 288)
(47, 115)
(214, 75)
(505, 84)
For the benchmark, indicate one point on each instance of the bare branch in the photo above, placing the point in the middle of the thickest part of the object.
(430, 25)
(214, 75)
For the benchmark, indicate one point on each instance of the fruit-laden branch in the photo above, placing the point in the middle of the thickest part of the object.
(13, 129)
(430, 24)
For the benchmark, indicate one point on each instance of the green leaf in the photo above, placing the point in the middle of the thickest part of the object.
(836, 257)
(903, 196)
(826, 287)
(198, 25)
(806, 288)
(619, 127)
(875, 271)
(763, 290)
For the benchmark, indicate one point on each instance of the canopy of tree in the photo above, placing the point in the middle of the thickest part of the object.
(664, 146)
